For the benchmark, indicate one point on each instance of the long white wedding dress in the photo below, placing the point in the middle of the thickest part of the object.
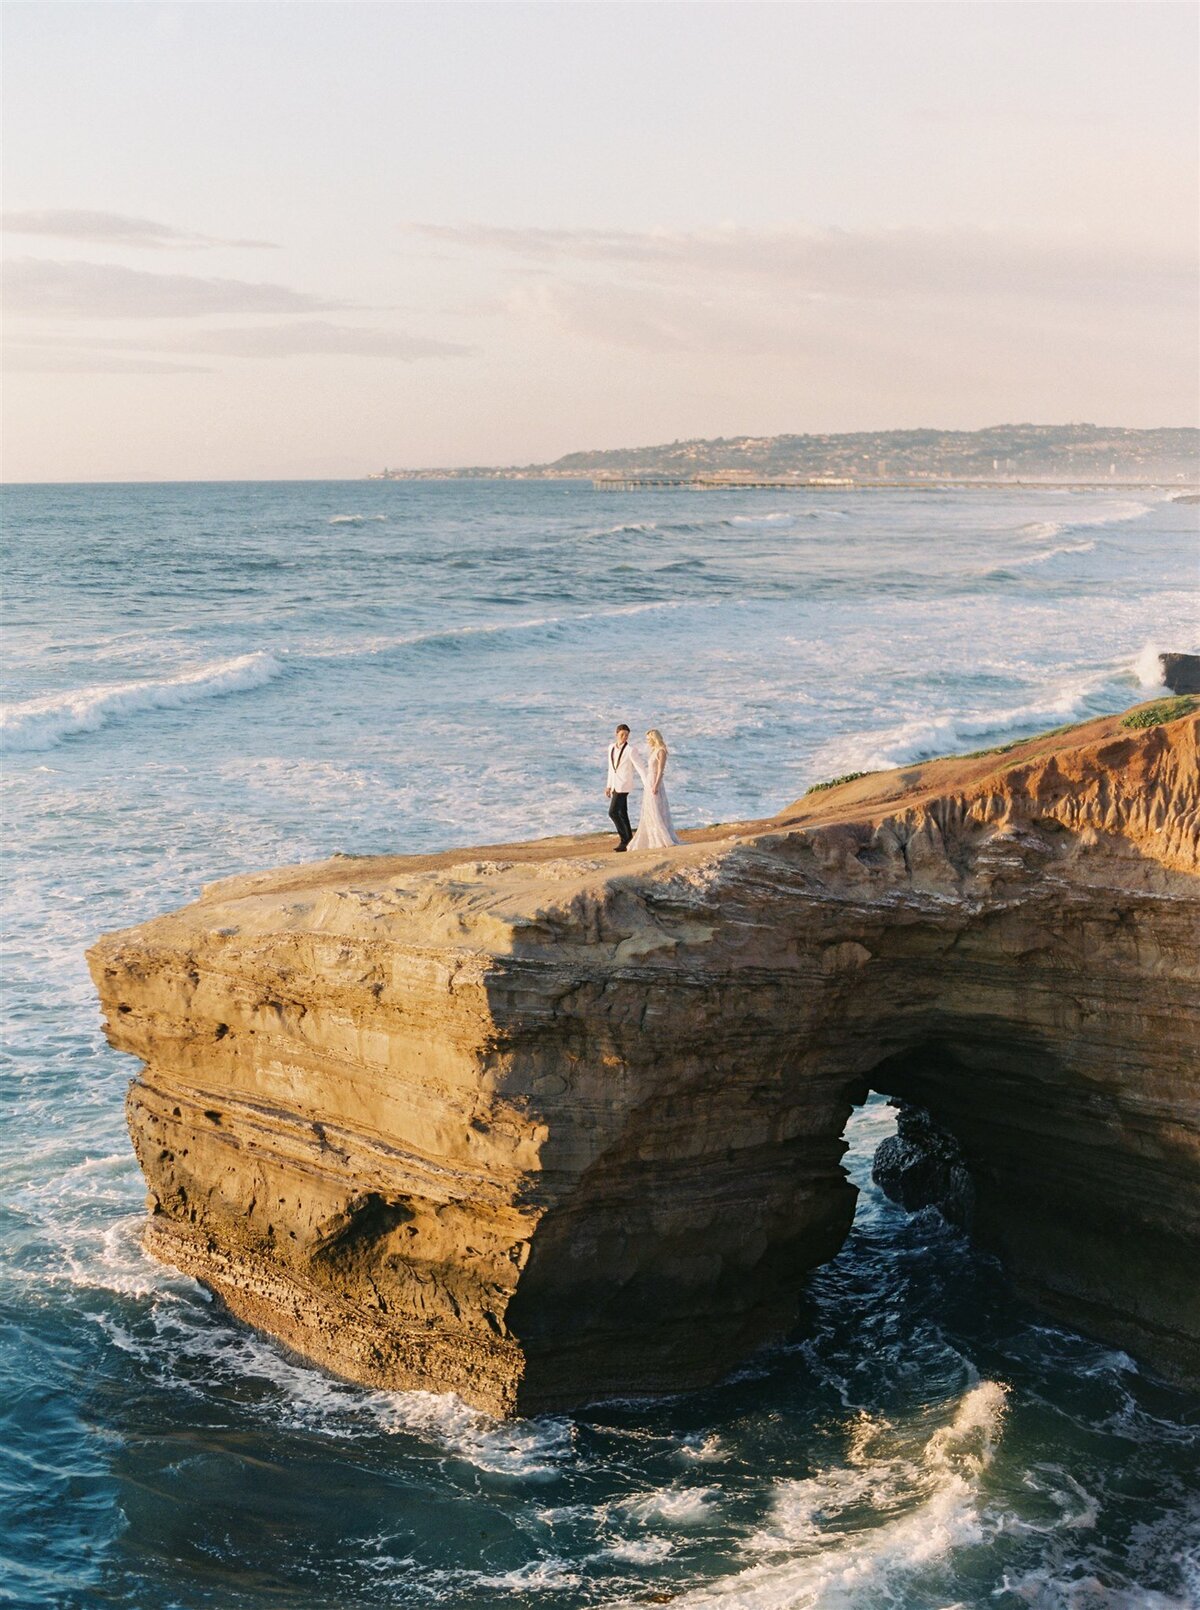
(655, 830)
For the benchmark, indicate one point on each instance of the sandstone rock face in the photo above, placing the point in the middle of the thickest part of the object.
(537, 1124)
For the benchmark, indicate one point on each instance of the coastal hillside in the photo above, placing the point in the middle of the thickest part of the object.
(535, 1125)
(1034, 452)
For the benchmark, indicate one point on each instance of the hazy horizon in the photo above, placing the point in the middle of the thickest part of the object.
(301, 242)
(452, 470)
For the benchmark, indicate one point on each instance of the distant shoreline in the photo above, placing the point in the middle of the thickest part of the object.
(1186, 490)
(1071, 455)
(934, 483)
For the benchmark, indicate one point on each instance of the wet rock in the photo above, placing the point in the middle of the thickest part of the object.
(922, 1166)
(1181, 672)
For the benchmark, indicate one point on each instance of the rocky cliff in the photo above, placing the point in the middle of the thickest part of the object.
(535, 1124)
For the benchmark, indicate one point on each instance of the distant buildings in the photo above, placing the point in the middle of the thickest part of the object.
(1076, 453)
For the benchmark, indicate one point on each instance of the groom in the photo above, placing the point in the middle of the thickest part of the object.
(620, 781)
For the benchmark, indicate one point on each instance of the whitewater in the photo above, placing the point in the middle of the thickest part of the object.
(201, 680)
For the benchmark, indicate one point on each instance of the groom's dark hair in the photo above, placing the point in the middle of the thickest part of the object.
(621, 727)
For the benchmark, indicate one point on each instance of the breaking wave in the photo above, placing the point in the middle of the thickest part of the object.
(1147, 668)
(735, 522)
(813, 1549)
(633, 528)
(1115, 514)
(946, 734)
(1026, 560)
(43, 723)
(951, 732)
(455, 638)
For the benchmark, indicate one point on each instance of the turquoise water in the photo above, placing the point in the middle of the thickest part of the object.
(204, 679)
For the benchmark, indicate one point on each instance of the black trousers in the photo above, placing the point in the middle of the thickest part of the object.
(618, 809)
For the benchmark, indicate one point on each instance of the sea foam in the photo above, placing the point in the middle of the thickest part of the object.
(1043, 557)
(1147, 667)
(951, 732)
(42, 723)
(813, 1551)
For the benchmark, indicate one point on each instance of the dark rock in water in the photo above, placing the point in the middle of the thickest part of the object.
(922, 1166)
(1181, 672)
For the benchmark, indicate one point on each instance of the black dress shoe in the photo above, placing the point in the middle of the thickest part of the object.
(620, 849)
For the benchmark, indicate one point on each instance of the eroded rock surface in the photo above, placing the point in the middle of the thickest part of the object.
(536, 1124)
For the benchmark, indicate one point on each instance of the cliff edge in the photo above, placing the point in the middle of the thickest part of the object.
(535, 1124)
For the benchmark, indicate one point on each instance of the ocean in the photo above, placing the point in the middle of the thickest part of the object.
(206, 679)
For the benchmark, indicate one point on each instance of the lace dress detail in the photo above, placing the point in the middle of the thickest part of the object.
(655, 830)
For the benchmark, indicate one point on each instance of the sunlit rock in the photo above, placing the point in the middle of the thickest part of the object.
(536, 1124)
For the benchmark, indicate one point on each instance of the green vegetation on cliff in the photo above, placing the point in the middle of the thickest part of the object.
(1155, 714)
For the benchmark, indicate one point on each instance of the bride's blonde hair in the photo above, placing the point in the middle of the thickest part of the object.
(655, 739)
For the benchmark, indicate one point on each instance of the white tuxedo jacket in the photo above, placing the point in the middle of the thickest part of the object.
(621, 770)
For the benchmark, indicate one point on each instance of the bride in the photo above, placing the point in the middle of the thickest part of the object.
(655, 830)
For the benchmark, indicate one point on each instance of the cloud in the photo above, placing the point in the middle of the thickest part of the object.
(39, 286)
(307, 338)
(44, 361)
(642, 317)
(677, 320)
(853, 264)
(861, 303)
(793, 327)
(318, 336)
(116, 229)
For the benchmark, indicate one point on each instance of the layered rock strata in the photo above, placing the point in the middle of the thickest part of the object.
(538, 1125)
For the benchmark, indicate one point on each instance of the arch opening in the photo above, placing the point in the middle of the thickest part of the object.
(1051, 1171)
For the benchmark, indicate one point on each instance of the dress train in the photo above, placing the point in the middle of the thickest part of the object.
(655, 830)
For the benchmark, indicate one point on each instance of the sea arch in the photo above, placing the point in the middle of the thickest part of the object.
(535, 1126)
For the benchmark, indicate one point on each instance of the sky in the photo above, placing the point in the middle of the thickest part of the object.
(283, 239)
